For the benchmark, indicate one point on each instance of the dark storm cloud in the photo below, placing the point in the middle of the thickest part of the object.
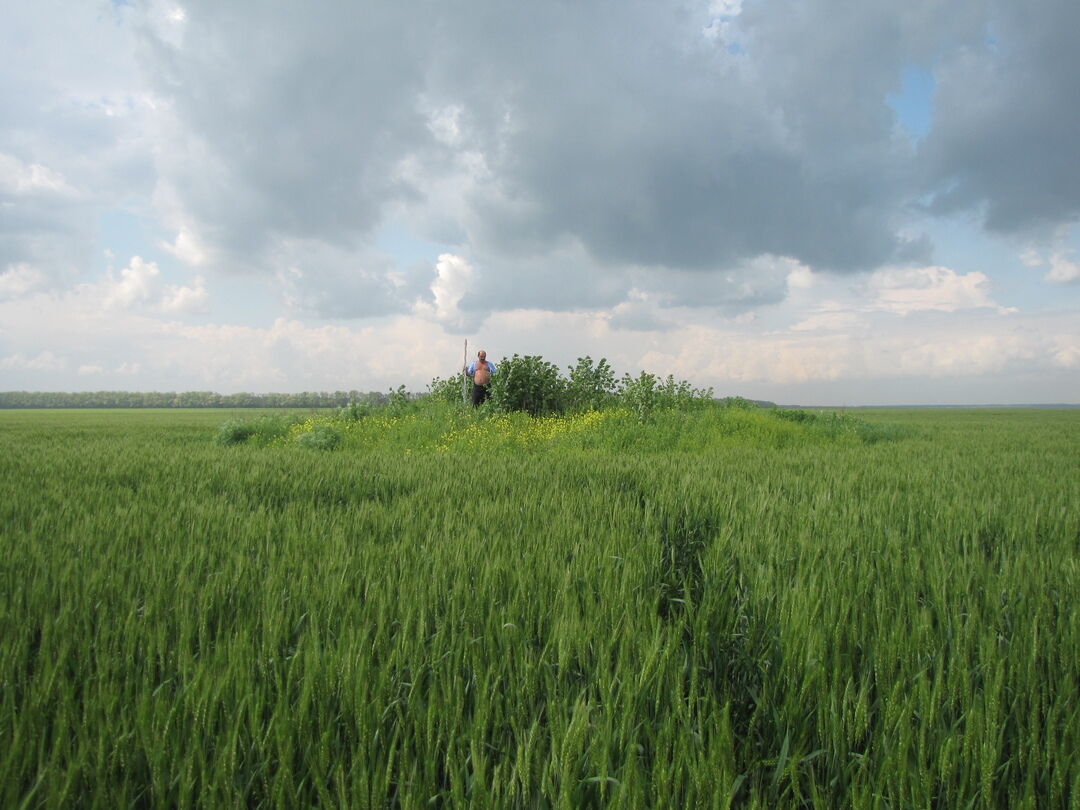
(617, 125)
(571, 151)
(1006, 137)
(632, 132)
(301, 112)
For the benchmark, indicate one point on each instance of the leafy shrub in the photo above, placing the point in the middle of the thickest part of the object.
(529, 384)
(261, 429)
(793, 415)
(590, 387)
(647, 392)
(739, 403)
(398, 402)
(674, 393)
(320, 437)
(639, 394)
(355, 411)
(448, 390)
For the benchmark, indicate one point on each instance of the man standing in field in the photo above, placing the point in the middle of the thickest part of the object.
(480, 370)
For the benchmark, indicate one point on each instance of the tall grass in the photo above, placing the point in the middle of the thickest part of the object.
(719, 611)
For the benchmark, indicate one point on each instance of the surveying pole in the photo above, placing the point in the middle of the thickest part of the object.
(464, 376)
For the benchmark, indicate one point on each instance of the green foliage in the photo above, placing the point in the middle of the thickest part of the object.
(446, 390)
(647, 393)
(739, 403)
(257, 429)
(717, 608)
(528, 383)
(794, 415)
(355, 411)
(320, 437)
(589, 386)
(397, 401)
(639, 394)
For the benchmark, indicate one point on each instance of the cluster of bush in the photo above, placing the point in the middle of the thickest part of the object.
(531, 384)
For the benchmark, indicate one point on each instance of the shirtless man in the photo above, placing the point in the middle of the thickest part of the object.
(480, 370)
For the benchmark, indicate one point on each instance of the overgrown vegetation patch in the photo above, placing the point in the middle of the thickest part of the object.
(532, 406)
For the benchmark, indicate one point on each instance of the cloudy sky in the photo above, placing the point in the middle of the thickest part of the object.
(809, 201)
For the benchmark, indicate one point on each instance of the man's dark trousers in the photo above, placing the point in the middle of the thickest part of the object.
(480, 394)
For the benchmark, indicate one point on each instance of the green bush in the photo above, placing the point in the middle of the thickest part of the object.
(448, 390)
(398, 402)
(260, 429)
(739, 403)
(355, 411)
(320, 437)
(647, 393)
(529, 384)
(590, 387)
(639, 394)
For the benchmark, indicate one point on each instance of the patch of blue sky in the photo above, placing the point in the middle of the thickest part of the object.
(237, 300)
(964, 247)
(121, 235)
(398, 242)
(913, 105)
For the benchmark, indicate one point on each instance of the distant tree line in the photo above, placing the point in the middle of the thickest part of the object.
(187, 399)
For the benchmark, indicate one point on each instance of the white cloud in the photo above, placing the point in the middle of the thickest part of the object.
(453, 278)
(1066, 351)
(17, 177)
(88, 370)
(45, 361)
(20, 280)
(801, 277)
(186, 300)
(907, 290)
(445, 124)
(187, 247)
(828, 321)
(139, 283)
(1062, 269)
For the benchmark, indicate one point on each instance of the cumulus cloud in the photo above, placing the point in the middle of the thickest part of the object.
(186, 300)
(19, 280)
(141, 285)
(187, 247)
(1062, 268)
(17, 178)
(138, 283)
(453, 278)
(45, 361)
(905, 290)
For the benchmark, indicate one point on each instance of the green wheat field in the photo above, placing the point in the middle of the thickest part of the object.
(422, 607)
